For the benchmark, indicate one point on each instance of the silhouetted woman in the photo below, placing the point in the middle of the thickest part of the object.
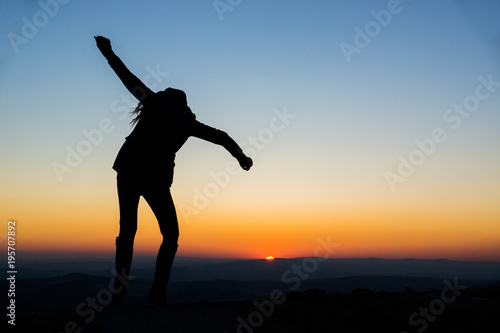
(145, 166)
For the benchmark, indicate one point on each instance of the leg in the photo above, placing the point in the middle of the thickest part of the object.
(128, 196)
(160, 201)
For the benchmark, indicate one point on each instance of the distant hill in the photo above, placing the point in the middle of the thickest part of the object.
(194, 269)
(352, 304)
(66, 292)
(334, 295)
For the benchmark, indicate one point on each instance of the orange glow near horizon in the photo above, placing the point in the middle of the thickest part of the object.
(255, 236)
(72, 222)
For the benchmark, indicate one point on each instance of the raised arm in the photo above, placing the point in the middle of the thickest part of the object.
(219, 137)
(131, 82)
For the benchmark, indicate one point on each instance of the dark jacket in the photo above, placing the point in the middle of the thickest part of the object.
(164, 125)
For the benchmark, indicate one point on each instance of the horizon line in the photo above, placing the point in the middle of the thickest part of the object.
(100, 257)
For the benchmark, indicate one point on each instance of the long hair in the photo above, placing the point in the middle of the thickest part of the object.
(137, 113)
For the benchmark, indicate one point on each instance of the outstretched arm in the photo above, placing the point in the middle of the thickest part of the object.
(131, 82)
(219, 137)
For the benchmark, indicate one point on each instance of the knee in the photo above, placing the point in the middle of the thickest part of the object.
(171, 237)
(169, 247)
(170, 233)
(125, 239)
(127, 231)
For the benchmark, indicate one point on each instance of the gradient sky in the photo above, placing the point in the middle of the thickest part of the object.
(321, 172)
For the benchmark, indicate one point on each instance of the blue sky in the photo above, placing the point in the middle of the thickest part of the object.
(352, 120)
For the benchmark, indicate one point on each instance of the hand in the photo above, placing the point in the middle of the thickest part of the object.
(103, 44)
(245, 162)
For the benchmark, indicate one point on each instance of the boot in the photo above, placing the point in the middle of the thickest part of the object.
(164, 262)
(123, 261)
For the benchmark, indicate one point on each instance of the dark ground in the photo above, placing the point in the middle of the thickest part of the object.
(475, 310)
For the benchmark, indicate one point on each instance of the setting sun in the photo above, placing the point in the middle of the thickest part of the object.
(270, 258)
